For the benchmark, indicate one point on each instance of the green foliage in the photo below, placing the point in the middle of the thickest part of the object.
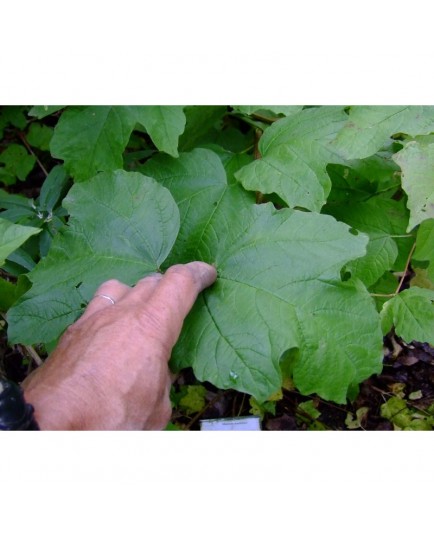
(283, 267)
(308, 414)
(15, 163)
(310, 214)
(10, 292)
(135, 229)
(370, 128)
(417, 164)
(353, 423)
(382, 220)
(14, 115)
(190, 399)
(43, 212)
(295, 152)
(267, 407)
(264, 110)
(42, 111)
(405, 417)
(412, 314)
(424, 246)
(39, 136)
(12, 236)
(92, 138)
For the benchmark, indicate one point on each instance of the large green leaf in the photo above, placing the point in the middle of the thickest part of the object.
(417, 164)
(198, 182)
(370, 127)
(12, 236)
(412, 313)
(92, 138)
(122, 225)
(381, 219)
(295, 152)
(278, 288)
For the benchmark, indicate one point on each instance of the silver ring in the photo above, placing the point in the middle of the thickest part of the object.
(106, 297)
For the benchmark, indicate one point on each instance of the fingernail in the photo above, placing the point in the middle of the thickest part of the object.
(204, 273)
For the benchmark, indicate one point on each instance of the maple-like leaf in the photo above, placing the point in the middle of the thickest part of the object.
(278, 288)
(295, 152)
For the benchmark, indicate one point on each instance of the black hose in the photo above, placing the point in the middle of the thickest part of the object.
(15, 412)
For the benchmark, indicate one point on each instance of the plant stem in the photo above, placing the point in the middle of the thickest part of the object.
(405, 269)
(265, 119)
(241, 405)
(26, 143)
(248, 120)
(247, 149)
(401, 280)
(401, 236)
(256, 152)
(31, 352)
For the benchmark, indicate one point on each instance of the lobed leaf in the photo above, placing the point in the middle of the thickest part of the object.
(92, 138)
(15, 162)
(39, 136)
(412, 313)
(122, 225)
(369, 128)
(164, 124)
(295, 152)
(278, 288)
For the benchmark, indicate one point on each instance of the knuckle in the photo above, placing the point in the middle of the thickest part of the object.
(71, 331)
(182, 273)
(110, 283)
(151, 278)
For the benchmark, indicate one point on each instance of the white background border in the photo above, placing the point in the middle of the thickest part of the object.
(196, 52)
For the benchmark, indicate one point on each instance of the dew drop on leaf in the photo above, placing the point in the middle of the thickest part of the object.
(233, 376)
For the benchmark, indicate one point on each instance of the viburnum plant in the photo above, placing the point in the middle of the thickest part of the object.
(319, 220)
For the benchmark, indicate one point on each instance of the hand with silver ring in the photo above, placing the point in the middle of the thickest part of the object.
(110, 369)
(109, 298)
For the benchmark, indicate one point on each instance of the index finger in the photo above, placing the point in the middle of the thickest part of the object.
(176, 293)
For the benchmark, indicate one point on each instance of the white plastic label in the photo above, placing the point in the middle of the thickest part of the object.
(251, 424)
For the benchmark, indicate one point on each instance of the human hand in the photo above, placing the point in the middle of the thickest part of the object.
(110, 369)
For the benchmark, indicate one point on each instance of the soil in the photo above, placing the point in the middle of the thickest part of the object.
(408, 374)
